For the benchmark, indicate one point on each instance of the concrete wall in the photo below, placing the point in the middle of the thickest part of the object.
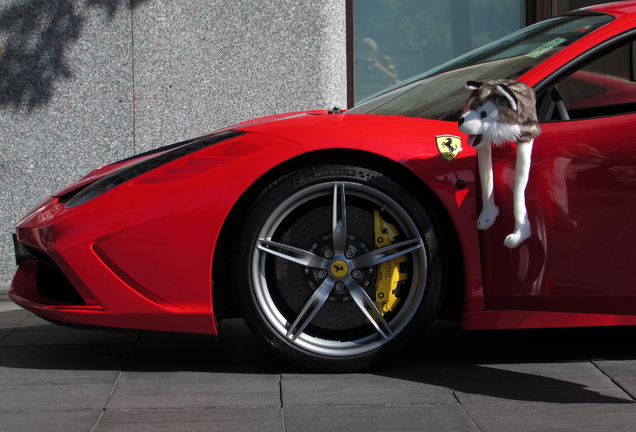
(87, 82)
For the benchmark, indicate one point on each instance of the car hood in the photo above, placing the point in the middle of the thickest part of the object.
(125, 163)
(395, 137)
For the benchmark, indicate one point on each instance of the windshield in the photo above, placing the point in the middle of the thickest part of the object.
(439, 94)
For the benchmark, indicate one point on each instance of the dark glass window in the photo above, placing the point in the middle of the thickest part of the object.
(394, 40)
(439, 94)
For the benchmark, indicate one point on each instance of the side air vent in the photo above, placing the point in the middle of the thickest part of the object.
(50, 281)
(53, 284)
(211, 159)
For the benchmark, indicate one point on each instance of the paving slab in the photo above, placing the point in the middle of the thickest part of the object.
(201, 420)
(532, 417)
(55, 398)
(371, 419)
(7, 305)
(622, 372)
(570, 382)
(49, 422)
(615, 368)
(169, 390)
(412, 387)
(12, 318)
(35, 323)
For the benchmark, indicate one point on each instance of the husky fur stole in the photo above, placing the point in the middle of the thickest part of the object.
(497, 112)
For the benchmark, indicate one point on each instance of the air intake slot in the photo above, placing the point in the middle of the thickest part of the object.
(53, 284)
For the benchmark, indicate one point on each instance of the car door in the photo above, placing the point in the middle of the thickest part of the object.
(581, 197)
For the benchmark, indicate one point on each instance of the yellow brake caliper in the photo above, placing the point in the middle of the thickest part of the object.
(389, 275)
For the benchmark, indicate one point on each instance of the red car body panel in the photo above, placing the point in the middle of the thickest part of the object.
(146, 254)
(573, 263)
(140, 255)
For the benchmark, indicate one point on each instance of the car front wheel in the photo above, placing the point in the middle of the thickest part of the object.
(338, 267)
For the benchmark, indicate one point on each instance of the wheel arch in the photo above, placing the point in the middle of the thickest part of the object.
(224, 305)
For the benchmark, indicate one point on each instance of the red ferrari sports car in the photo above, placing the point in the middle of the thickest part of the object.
(339, 236)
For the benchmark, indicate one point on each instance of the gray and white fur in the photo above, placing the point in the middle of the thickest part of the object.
(497, 112)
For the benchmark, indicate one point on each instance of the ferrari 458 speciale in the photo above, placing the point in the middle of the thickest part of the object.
(339, 236)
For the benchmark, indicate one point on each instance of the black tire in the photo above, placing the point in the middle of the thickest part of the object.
(295, 266)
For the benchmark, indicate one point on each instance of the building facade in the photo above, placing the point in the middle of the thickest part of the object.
(87, 82)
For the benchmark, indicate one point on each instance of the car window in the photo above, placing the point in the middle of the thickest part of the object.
(607, 86)
(439, 94)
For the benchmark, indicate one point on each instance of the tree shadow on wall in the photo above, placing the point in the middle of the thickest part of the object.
(36, 35)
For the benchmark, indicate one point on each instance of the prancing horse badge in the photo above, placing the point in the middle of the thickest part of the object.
(449, 146)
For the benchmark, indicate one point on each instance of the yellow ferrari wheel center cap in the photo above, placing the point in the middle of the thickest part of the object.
(339, 268)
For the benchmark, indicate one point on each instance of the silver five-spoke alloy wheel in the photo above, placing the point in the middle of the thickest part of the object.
(314, 257)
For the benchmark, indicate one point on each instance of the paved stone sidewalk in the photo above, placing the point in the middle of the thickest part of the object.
(58, 379)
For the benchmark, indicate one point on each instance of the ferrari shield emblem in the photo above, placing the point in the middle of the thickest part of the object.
(449, 146)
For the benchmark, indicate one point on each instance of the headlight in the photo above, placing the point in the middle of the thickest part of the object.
(115, 179)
